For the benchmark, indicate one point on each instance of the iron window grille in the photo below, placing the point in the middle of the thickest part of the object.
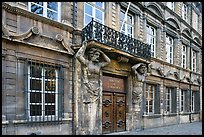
(44, 92)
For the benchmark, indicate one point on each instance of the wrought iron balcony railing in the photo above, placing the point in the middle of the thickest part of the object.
(110, 37)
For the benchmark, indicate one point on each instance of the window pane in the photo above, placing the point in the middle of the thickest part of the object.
(36, 71)
(129, 19)
(129, 29)
(50, 85)
(52, 15)
(50, 110)
(35, 110)
(49, 73)
(87, 19)
(98, 14)
(88, 9)
(49, 97)
(122, 16)
(40, 3)
(52, 5)
(150, 108)
(35, 97)
(36, 9)
(99, 4)
(35, 84)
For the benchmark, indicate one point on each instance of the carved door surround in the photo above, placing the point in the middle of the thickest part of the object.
(114, 105)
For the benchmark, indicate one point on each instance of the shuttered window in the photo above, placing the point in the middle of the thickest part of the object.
(170, 100)
(152, 98)
(185, 100)
(195, 101)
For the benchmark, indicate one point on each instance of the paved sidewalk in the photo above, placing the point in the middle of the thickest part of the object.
(194, 128)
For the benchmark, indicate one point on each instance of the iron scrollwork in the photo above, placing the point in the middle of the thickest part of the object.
(106, 35)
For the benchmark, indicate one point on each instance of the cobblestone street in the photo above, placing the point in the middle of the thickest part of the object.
(194, 128)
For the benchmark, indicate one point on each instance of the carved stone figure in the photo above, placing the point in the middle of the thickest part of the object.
(91, 71)
(140, 72)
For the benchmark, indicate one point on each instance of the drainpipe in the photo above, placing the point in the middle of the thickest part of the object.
(74, 23)
(190, 61)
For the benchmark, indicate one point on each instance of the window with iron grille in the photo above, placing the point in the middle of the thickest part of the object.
(128, 26)
(152, 99)
(170, 100)
(51, 10)
(94, 10)
(44, 95)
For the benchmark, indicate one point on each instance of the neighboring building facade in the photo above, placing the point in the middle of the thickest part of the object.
(79, 68)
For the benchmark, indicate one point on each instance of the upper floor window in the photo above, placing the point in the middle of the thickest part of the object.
(184, 12)
(93, 10)
(51, 10)
(170, 5)
(128, 24)
(151, 39)
(44, 96)
(194, 60)
(169, 49)
(183, 63)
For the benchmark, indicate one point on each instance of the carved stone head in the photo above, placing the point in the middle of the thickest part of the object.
(142, 69)
(94, 54)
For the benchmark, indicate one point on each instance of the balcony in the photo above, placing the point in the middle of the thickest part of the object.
(112, 38)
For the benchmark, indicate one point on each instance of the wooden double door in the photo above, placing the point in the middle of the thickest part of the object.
(113, 111)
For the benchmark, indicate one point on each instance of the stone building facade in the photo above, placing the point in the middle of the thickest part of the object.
(78, 68)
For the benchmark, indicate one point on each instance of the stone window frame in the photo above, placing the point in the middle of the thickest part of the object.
(127, 24)
(57, 94)
(44, 6)
(94, 8)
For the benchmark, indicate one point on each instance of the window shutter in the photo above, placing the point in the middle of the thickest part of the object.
(173, 100)
(188, 99)
(197, 101)
(157, 100)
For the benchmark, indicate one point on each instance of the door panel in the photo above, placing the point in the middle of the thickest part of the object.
(119, 110)
(113, 112)
(107, 113)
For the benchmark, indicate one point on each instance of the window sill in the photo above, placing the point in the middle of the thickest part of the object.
(5, 122)
(184, 113)
(152, 116)
(170, 114)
